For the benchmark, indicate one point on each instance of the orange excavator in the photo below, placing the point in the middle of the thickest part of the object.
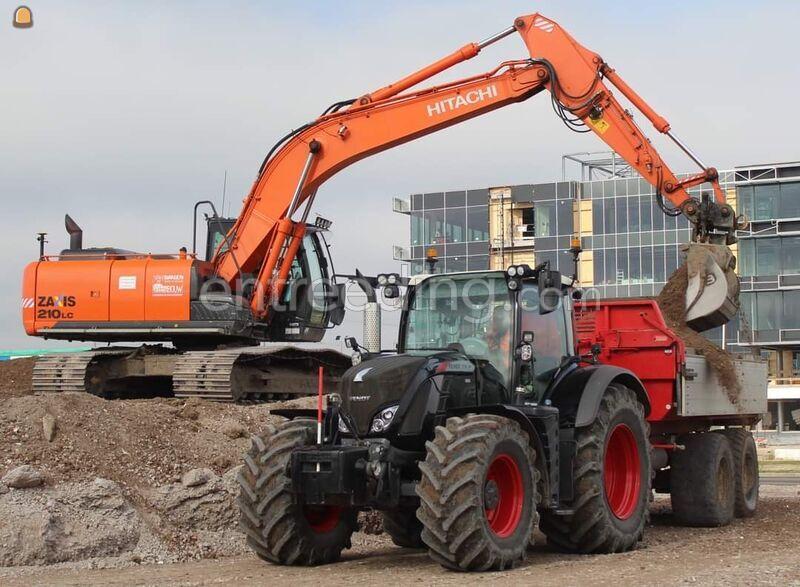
(269, 279)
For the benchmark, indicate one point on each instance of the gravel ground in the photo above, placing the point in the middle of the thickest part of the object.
(759, 551)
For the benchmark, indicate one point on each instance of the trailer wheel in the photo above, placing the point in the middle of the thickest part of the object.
(745, 471)
(277, 529)
(611, 479)
(404, 528)
(478, 494)
(702, 481)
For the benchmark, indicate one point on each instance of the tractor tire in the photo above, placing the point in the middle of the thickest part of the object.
(745, 471)
(478, 494)
(611, 477)
(278, 530)
(702, 481)
(404, 528)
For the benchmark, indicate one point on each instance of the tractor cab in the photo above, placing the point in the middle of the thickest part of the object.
(469, 339)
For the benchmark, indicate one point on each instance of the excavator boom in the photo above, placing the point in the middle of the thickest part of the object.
(266, 236)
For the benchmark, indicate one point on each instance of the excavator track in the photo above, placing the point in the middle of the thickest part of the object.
(68, 372)
(243, 375)
(255, 374)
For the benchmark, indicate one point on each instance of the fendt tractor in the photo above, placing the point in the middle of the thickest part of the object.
(508, 406)
(269, 280)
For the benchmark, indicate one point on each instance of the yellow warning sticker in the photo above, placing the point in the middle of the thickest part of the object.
(599, 124)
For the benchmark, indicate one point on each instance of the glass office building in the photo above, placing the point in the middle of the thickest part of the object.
(630, 247)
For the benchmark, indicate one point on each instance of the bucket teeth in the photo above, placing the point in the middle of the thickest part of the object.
(712, 293)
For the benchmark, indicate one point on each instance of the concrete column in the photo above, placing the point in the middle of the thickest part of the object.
(780, 416)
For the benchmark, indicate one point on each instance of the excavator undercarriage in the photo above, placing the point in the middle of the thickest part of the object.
(243, 374)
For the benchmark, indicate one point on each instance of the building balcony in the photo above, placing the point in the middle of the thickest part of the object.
(401, 206)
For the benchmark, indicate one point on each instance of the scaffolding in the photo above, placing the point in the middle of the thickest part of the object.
(596, 165)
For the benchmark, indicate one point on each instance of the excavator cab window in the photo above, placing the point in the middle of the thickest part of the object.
(309, 296)
(217, 229)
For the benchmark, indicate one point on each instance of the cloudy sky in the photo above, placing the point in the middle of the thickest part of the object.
(125, 113)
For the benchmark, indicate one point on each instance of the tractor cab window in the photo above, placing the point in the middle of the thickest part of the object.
(467, 313)
(550, 342)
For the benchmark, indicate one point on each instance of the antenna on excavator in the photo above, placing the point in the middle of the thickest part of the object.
(224, 189)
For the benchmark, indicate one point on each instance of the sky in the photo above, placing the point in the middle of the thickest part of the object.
(123, 114)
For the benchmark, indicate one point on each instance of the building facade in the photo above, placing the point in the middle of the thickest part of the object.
(630, 247)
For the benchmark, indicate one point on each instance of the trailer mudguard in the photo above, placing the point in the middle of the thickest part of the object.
(577, 396)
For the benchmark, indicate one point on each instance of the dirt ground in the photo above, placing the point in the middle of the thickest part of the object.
(142, 492)
(759, 551)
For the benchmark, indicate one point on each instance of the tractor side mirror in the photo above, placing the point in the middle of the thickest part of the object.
(549, 284)
(351, 343)
(336, 301)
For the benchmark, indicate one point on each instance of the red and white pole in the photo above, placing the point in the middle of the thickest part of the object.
(319, 408)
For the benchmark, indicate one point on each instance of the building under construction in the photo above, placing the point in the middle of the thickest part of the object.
(629, 247)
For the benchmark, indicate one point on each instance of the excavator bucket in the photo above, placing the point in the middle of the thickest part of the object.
(712, 293)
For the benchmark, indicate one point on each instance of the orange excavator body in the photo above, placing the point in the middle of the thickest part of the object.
(265, 239)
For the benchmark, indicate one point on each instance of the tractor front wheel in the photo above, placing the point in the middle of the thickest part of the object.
(277, 529)
(478, 494)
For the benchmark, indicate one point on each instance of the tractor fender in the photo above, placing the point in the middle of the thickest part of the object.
(517, 415)
(579, 393)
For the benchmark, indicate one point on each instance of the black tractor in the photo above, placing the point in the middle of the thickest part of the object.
(482, 422)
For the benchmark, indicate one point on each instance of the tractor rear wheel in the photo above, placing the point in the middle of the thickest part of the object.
(611, 477)
(478, 493)
(745, 471)
(403, 527)
(702, 481)
(277, 529)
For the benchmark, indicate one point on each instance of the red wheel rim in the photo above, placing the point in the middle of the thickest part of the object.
(322, 518)
(623, 477)
(504, 517)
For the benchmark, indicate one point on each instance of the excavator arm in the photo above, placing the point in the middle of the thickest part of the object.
(265, 239)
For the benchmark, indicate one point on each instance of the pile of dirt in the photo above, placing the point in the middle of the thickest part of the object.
(672, 301)
(15, 377)
(122, 481)
(132, 442)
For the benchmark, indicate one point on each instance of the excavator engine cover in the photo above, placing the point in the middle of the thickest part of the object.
(712, 292)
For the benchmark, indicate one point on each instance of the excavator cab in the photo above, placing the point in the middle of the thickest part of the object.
(312, 301)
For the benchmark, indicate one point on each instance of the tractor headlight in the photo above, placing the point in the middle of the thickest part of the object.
(382, 421)
(382, 279)
(512, 271)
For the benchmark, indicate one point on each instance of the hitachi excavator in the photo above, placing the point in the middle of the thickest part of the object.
(269, 278)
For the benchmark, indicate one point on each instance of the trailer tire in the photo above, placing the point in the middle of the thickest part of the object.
(478, 494)
(404, 528)
(278, 530)
(702, 481)
(745, 471)
(612, 487)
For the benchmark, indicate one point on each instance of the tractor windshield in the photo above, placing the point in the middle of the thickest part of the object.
(473, 311)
